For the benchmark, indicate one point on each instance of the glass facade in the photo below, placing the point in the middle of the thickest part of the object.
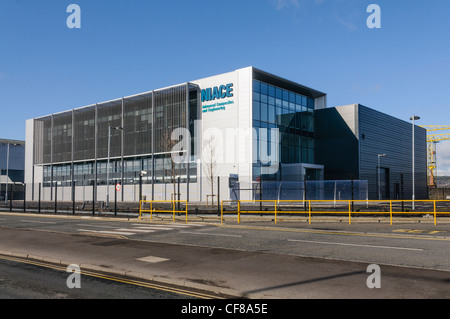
(293, 115)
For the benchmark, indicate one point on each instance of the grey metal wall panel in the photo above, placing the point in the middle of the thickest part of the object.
(384, 134)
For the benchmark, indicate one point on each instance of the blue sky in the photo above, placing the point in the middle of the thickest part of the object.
(128, 47)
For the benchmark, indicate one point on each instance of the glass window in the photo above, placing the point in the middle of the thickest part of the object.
(271, 113)
(256, 96)
(264, 112)
(271, 91)
(292, 97)
(310, 123)
(263, 88)
(292, 107)
(264, 98)
(286, 95)
(271, 100)
(279, 93)
(256, 86)
(310, 156)
(304, 155)
(310, 103)
(304, 101)
(256, 110)
(298, 99)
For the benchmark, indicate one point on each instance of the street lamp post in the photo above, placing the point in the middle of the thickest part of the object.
(379, 175)
(117, 128)
(413, 118)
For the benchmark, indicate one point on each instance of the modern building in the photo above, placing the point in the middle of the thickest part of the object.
(12, 166)
(357, 142)
(246, 125)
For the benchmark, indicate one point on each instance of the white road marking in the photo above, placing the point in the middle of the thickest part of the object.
(136, 230)
(165, 225)
(153, 227)
(106, 232)
(100, 226)
(356, 245)
(209, 234)
(152, 259)
(37, 222)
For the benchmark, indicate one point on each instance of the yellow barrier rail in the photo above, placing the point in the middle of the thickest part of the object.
(346, 207)
(153, 210)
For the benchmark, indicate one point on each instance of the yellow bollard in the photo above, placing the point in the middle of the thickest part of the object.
(391, 211)
(434, 204)
(349, 212)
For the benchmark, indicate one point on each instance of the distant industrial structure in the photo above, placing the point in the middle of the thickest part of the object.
(432, 140)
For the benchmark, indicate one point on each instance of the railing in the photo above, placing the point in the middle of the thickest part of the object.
(154, 210)
(337, 207)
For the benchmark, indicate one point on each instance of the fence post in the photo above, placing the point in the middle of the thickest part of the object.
(390, 204)
(10, 197)
(56, 198)
(275, 211)
(178, 197)
(115, 198)
(239, 212)
(350, 212)
(221, 212)
(73, 197)
(24, 197)
(434, 204)
(93, 198)
(173, 209)
(309, 204)
(39, 200)
(218, 195)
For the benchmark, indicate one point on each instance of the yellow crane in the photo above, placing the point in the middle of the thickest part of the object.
(432, 140)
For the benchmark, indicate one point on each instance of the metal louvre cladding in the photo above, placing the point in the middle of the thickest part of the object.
(109, 114)
(170, 113)
(62, 137)
(137, 123)
(84, 133)
(157, 112)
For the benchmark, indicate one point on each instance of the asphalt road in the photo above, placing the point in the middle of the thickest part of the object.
(23, 279)
(255, 258)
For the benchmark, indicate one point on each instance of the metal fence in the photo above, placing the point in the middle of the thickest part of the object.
(307, 190)
(347, 208)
